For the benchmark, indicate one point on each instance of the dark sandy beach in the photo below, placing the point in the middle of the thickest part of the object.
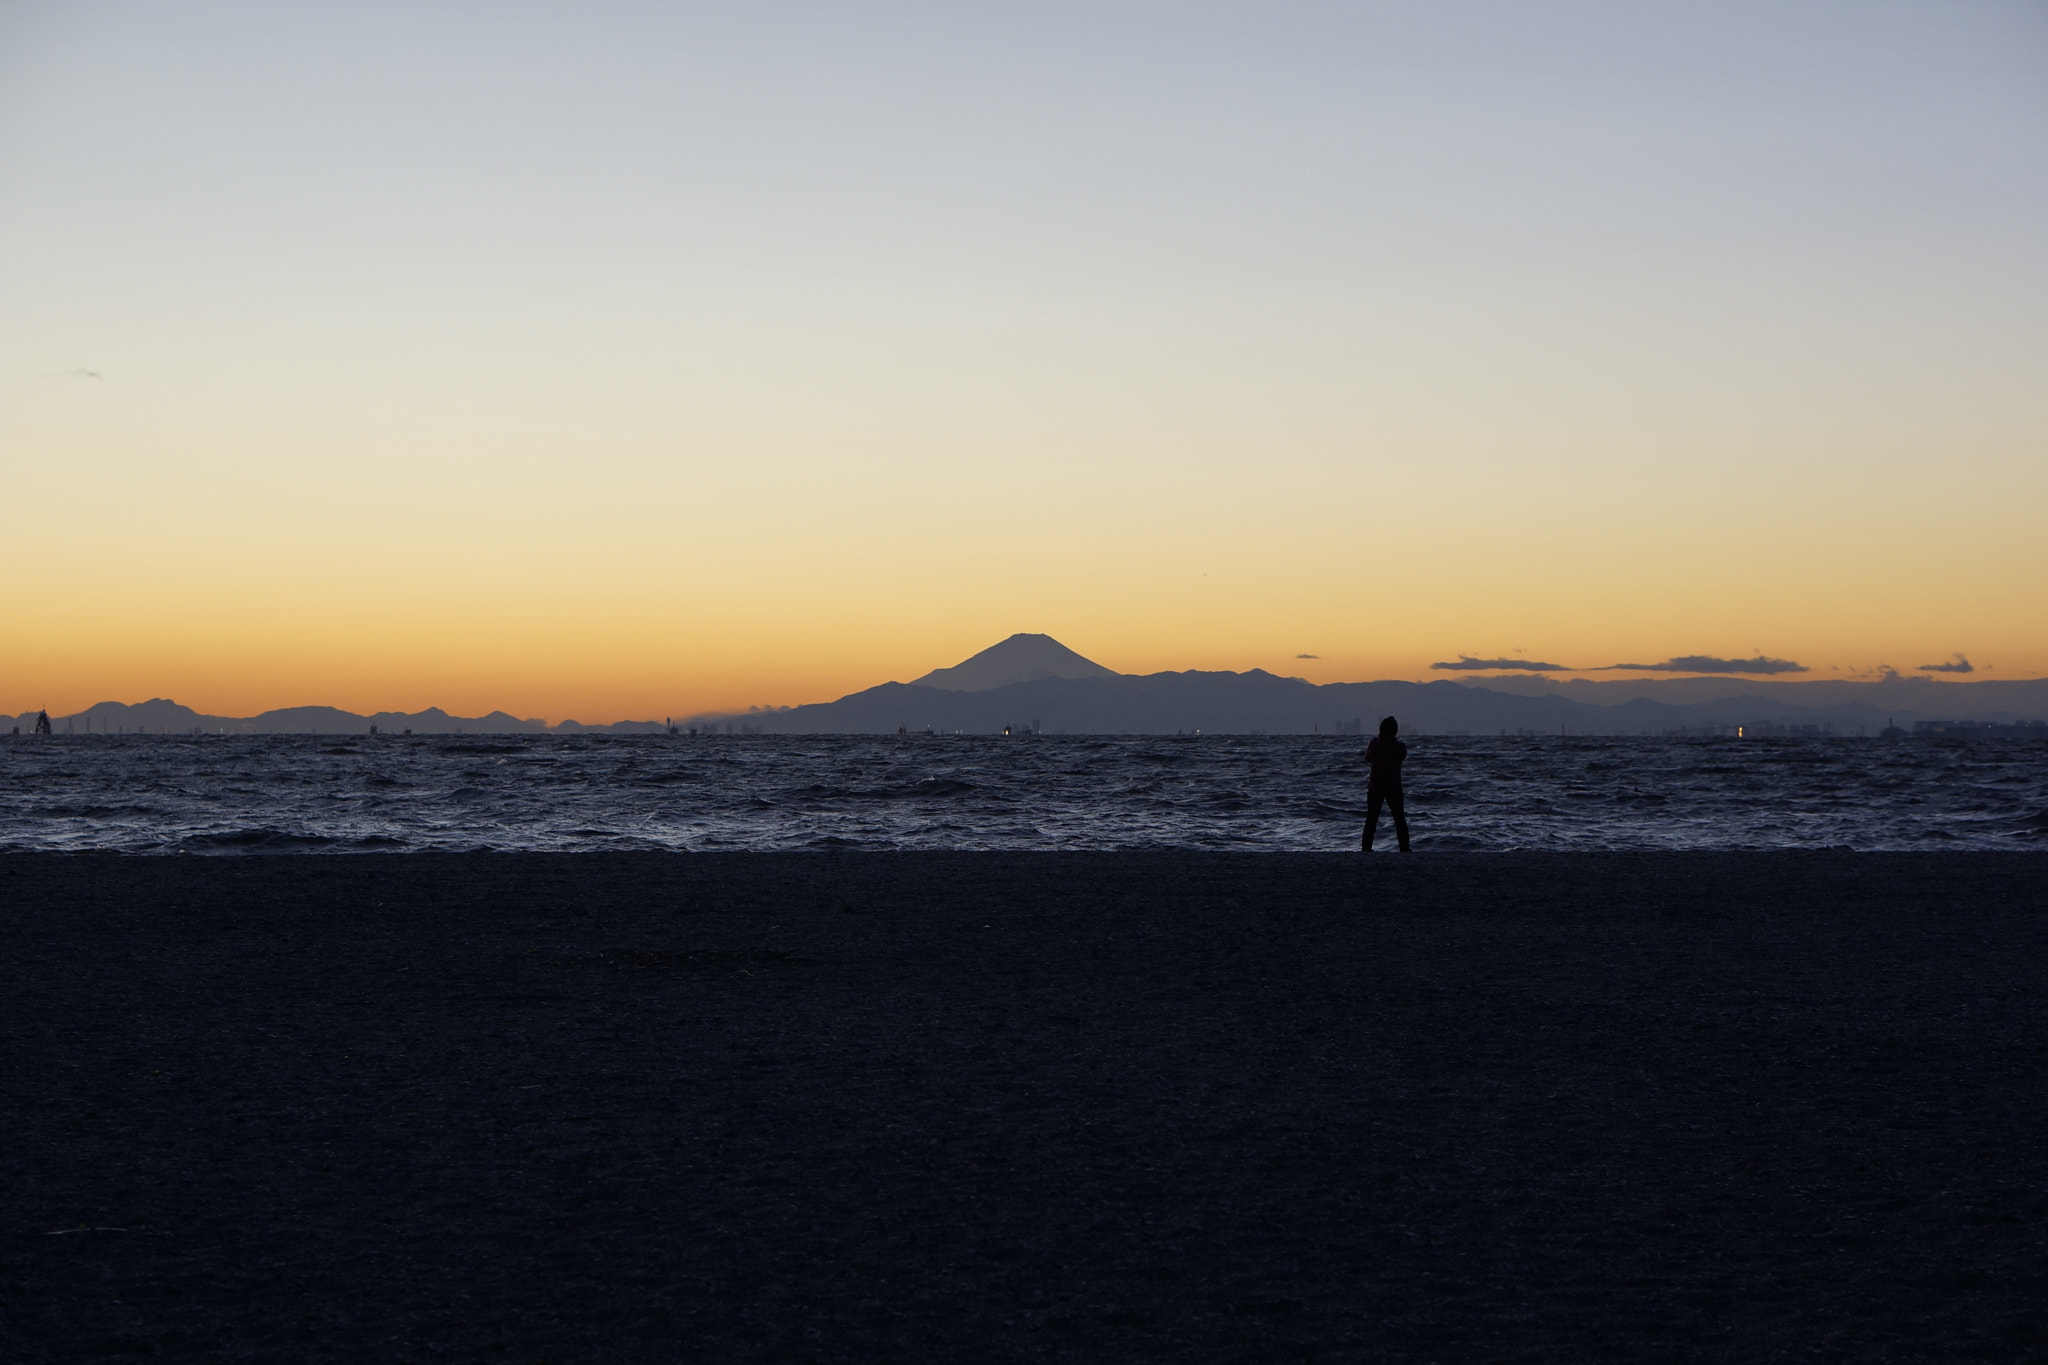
(1039, 1106)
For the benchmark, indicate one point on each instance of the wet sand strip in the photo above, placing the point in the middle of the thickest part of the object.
(1024, 1106)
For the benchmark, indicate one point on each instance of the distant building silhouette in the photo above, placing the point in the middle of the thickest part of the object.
(1979, 729)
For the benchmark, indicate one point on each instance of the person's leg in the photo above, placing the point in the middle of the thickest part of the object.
(1400, 818)
(1372, 820)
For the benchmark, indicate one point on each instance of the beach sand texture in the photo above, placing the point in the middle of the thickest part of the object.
(501, 1107)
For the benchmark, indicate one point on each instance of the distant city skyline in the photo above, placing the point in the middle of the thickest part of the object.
(625, 360)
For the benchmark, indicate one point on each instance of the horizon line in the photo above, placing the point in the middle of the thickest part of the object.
(501, 715)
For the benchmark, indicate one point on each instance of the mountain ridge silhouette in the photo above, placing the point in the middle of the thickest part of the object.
(1034, 682)
(1021, 658)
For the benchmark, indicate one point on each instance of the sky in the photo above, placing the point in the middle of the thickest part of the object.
(628, 360)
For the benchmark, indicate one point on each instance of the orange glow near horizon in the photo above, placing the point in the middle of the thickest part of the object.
(651, 587)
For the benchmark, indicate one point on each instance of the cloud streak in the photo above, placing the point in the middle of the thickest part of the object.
(1956, 665)
(1707, 663)
(1467, 664)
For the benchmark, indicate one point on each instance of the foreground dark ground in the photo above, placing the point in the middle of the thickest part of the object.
(991, 1106)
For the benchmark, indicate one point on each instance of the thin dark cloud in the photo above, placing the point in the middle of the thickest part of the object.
(1467, 664)
(1956, 665)
(1707, 663)
(1308, 656)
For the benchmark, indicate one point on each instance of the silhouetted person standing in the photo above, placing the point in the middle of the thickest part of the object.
(1383, 784)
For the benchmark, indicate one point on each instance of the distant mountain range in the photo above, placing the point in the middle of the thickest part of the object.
(160, 717)
(1035, 683)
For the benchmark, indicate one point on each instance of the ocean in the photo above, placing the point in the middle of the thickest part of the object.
(275, 794)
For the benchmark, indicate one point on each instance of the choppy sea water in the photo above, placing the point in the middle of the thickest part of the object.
(279, 793)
